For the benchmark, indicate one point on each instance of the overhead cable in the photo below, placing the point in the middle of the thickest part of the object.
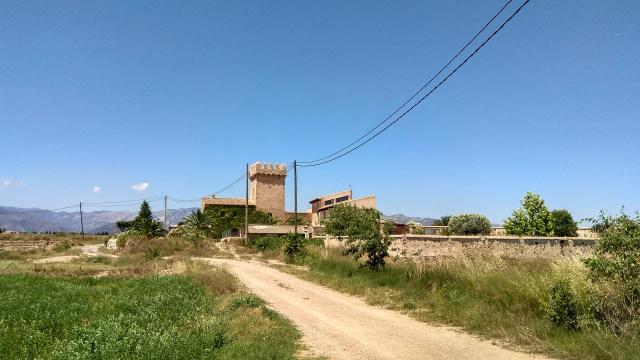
(308, 164)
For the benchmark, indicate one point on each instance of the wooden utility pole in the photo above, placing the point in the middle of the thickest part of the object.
(246, 207)
(165, 213)
(81, 223)
(295, 198)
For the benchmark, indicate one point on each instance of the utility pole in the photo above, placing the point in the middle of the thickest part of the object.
(295, 198)
(165, 213)
(81, 223)
(246, 207)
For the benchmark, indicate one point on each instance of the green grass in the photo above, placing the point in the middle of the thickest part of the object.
(496, 298)
(152, 317)
(138, 305)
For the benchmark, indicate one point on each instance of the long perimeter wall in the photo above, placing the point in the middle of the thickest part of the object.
(424, 247)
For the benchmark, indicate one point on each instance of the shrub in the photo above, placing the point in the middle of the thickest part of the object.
(469, 224)
(121, 242)
(562, 310)
(362, 226)
(293, 245)
(266, 242)
(418, 230)
(616, 266)
(563, 224)
(443, 221)
(65, 245)
(531, 219)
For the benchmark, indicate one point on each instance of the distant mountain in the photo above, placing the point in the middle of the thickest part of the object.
(403, 219)
(38, 220)
(26, 222)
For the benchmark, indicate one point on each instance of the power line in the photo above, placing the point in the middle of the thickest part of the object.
(419, 91)
(124, 201)
(419, 101)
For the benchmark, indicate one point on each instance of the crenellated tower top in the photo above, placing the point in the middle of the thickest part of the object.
(264, 169)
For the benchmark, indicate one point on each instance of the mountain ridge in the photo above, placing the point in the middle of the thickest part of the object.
(38, 220)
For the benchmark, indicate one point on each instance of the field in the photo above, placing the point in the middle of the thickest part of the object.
(135, 306)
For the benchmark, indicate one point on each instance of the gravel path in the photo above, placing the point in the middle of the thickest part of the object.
(343, 327)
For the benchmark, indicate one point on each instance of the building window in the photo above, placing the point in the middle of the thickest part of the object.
(343, 198)
(328, 202)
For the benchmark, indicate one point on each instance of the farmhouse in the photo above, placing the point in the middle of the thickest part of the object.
(267, 194)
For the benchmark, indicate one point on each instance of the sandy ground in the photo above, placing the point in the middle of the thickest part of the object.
(344, 327)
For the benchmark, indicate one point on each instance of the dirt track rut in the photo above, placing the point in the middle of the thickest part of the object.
(343, 327)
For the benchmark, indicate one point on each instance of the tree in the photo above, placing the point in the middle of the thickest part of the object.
(149, 227)
(531, 219)
(125, 225)
(563, 224)
(443, 221)
(145, 211)
(469, 224)
(366, 236)
(198, 225)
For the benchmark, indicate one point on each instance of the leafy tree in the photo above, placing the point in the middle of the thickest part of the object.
(469, 224)
(149, 228)
(125, 225)
(363, 228)
(2, 230)
(443, 221)
(531, 219)
(144, 213)
(563, 224)
(616, 264)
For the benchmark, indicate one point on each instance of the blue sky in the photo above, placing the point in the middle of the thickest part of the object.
(180, 95)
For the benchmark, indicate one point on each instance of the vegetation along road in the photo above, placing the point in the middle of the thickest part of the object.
(344, 327)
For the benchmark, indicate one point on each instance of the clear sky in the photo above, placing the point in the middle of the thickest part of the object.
(126, 100)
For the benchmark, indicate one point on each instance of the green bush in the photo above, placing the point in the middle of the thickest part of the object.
(266, 242)
(470, 224)
(563, 224)
(418, 230)
(562, 309)
(121, 242)
(293, 246)
(616, 267)
(363, 228)
(65, 245)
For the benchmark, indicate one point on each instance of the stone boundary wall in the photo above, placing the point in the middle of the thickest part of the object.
(424, 247)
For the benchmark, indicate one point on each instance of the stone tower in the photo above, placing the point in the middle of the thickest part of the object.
(267, 188)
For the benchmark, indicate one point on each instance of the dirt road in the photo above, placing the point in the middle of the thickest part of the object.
(343, 327)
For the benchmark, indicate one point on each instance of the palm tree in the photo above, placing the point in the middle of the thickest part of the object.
(149, 227)
(199, 223)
